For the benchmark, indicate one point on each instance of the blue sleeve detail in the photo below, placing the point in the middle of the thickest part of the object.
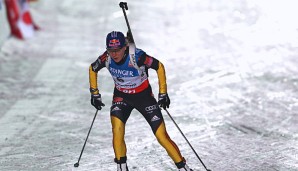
(139, 52)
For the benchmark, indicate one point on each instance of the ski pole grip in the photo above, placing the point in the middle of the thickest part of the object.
(123, 5)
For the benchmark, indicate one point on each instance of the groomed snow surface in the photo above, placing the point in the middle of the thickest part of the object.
(232, 78)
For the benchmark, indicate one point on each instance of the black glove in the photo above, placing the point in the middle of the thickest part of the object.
(96, 101)
(164, 100)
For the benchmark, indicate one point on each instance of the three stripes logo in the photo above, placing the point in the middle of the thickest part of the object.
(155, 118)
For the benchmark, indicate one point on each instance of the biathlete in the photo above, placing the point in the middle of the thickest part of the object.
(133, 91)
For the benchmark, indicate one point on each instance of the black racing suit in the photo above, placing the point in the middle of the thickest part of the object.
(133, 91)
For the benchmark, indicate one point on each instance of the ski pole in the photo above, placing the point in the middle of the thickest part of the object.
(77, 163)
(124, 7)
(187, 140)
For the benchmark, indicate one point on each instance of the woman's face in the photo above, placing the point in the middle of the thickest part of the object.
(117, 54)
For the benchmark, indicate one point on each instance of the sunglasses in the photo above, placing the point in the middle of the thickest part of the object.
(115, 50)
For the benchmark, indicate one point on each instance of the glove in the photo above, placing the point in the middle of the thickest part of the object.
(164, 100)
(96, 101)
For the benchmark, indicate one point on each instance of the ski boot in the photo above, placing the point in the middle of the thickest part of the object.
(121, 164)
(182, 166)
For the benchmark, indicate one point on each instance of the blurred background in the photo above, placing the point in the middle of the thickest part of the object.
(231, 72)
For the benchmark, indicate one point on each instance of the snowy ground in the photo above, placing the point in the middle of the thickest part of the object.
(232, 76)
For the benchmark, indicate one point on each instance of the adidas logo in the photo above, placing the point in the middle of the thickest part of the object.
(155, 118)
(116, 108)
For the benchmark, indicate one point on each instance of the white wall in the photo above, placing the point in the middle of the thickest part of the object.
(4, 26)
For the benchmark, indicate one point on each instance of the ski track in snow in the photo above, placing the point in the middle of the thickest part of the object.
(232, 79)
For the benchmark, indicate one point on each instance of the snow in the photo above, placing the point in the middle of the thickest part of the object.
(231, 72)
